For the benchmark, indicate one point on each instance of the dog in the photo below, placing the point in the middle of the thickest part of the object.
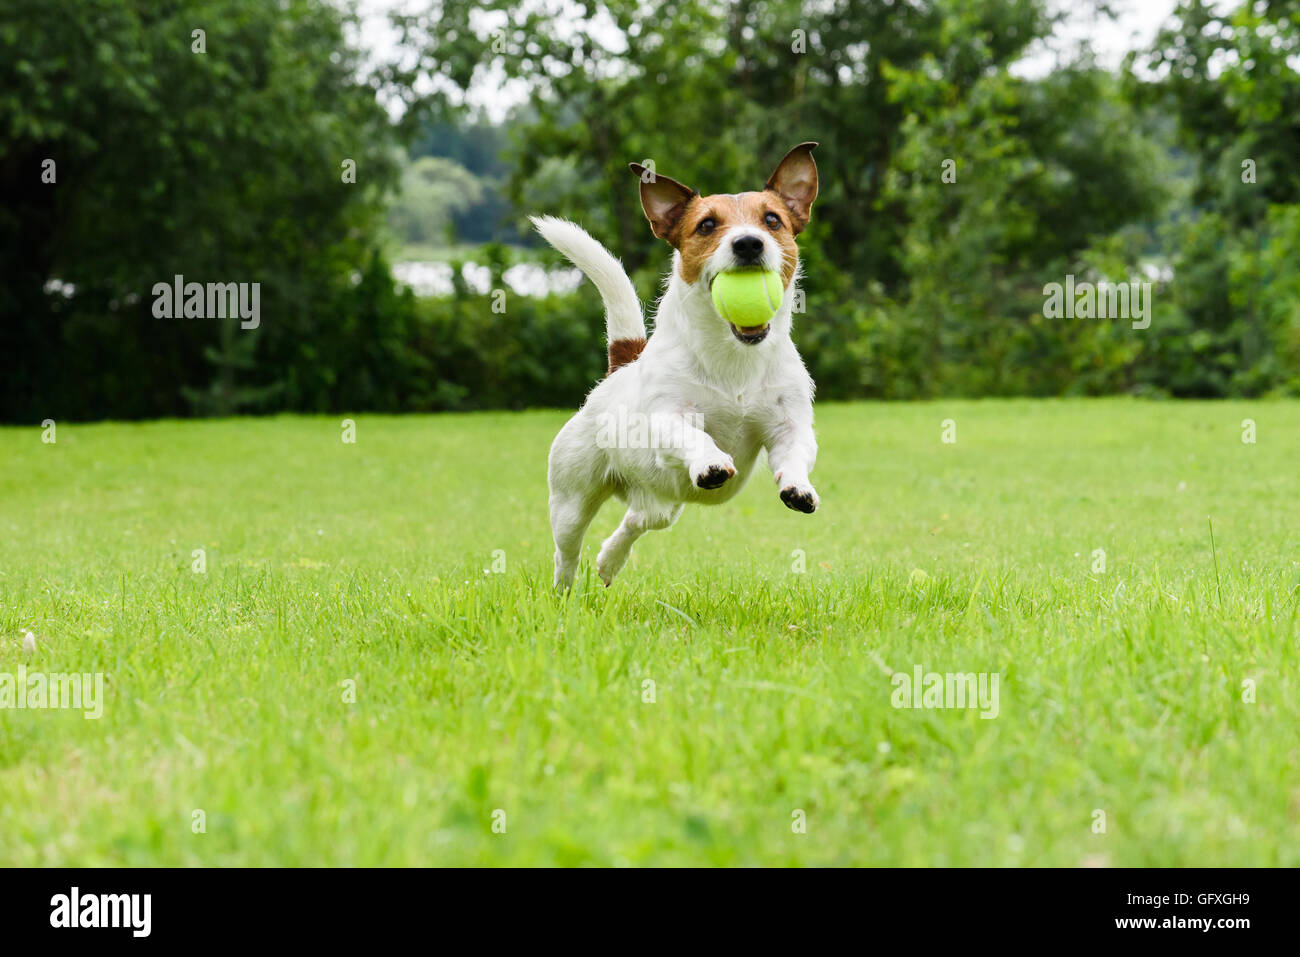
(701, 394)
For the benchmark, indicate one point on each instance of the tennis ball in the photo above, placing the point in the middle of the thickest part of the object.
(747, 297)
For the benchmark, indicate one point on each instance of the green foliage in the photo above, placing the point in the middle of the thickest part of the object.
(1230, 323)
(477, 145)
(434, 191)
(917, 283)
(542, 352)
(954, 190)
(1043, 168)
(222, 166)
(715, 92)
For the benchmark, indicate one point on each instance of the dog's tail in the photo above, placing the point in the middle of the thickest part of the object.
(624, 324)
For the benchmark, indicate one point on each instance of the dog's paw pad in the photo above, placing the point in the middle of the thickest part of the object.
(714, 476)
(799, 499)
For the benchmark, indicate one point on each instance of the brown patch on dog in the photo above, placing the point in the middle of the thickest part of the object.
(663, 200)
(622, 352)
(742, 209)
(696, 247)
(758, 205)
(795, 182)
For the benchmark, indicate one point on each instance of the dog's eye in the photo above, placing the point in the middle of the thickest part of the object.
(773, 221)
(706, 226)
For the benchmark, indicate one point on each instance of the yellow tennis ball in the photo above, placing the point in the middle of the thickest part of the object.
(747, 297)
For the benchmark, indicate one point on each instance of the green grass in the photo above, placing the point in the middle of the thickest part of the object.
(1120, 691)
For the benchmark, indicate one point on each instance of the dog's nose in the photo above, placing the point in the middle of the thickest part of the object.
(748, 249)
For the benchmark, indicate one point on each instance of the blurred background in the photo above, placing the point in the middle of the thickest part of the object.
(1148, 141)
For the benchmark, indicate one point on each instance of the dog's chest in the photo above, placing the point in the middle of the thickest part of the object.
(734, 419)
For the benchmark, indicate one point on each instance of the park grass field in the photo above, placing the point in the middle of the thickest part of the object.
(414, 567)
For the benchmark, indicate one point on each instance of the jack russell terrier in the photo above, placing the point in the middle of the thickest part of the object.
(702, 395)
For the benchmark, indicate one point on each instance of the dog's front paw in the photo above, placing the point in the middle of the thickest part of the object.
(564, 573)
(610, 561)
(800, 498)
(713, 474)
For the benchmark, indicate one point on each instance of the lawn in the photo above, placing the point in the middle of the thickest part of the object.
(727, 701)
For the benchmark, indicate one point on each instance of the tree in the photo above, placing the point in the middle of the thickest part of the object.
(1229, 79)
(715, 92)
(434, 190)
(207, 139)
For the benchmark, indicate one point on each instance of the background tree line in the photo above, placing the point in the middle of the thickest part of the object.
(225, 165)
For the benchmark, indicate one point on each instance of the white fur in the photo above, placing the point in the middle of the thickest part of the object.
(622, 307)
(693, 372)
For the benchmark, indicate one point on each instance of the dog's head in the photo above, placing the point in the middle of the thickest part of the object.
(721, 232)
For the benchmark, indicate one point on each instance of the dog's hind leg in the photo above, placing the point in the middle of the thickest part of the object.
(571, 513)
(639, 519)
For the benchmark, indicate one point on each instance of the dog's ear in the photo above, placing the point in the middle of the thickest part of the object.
(663, 199)
(795, 181)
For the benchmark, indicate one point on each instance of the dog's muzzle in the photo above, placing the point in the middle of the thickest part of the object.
(750, 335)
(746, 273)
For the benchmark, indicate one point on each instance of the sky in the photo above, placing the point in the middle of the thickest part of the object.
(1135, 27)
